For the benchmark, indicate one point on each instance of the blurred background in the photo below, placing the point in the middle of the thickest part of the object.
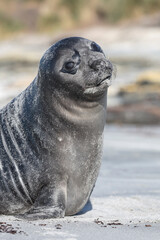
(127, 30)
(129, 33)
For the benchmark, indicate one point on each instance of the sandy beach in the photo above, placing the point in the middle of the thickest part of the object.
(125, 201)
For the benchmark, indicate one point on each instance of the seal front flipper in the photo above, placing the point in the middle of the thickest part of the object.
(50, 203)
(43, 213)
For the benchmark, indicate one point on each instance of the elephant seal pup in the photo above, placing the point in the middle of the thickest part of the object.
(51, 134)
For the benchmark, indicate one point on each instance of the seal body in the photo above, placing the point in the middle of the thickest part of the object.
(51, 134)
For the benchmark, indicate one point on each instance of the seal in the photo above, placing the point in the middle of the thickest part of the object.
(51, 134)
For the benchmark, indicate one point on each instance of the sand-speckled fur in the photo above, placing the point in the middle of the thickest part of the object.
(51, 134)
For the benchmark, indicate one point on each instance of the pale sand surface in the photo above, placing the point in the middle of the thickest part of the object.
(125, 201)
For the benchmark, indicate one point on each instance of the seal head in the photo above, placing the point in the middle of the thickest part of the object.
(78, 63)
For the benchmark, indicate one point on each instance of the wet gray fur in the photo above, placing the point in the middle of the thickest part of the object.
(51, 134)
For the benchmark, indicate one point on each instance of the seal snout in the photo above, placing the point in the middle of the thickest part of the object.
(101, 65)
(103, 69)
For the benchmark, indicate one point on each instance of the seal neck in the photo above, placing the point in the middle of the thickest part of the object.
(60, 107)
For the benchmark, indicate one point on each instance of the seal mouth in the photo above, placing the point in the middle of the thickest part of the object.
(104, 80)
(98, 88)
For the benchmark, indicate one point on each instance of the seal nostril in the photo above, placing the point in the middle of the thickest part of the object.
(97, 64)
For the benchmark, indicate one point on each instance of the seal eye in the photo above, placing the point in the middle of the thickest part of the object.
(95, 47)
(69, 65)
